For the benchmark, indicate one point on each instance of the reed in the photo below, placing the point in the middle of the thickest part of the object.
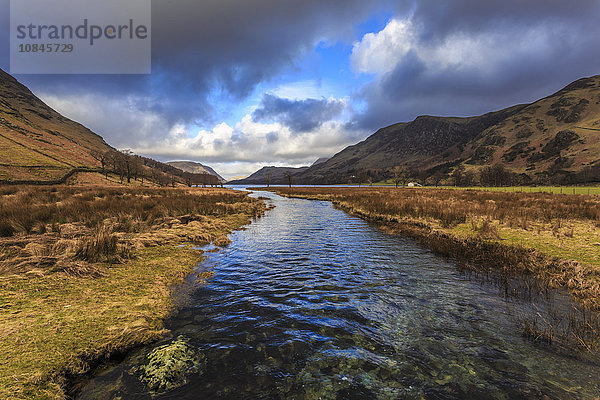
(86, 272)
(552, 238)
(451, 207)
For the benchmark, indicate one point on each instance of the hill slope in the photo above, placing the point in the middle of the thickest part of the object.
(38, 145)
(266, 175)
(195, 168)
(36, 142)
(320, 161)
(559, 134)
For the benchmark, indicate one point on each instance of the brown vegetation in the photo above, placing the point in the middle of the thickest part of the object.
(450, 208)
(86, 272)
(553, 238)
(48, 227)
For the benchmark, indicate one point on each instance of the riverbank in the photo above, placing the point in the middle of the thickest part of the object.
(552, 237)
(87, 272)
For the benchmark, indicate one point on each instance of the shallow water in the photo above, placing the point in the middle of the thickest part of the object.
(311, 303)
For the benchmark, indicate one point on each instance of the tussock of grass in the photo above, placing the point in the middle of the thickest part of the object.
(102, 246)
(96, 279)
(485, 229)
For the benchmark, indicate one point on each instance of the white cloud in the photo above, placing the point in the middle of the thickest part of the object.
(308, 89)
(380, 52)
(117, 120)
(241, 149)
(298, 90)
(232, 150)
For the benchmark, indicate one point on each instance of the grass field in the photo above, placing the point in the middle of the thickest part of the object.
(587, 190)
(88, 272)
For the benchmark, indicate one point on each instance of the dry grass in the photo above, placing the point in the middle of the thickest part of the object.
(43, 228)
(555, 238)
(87, 272)
(453, 207)
(563, 230)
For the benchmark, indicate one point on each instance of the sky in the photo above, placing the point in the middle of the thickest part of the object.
(241, 84)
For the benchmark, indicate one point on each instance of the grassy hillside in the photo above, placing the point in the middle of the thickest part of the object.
(36, 142)
(549, 141)
(558, 133)
(38, 145)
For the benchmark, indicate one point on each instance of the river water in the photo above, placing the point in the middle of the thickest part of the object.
(311, 303)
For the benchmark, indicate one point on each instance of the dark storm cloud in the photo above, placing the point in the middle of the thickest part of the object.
(299, 115)
(539, 46)
(443, 17)
(208, 54)
(200, 48)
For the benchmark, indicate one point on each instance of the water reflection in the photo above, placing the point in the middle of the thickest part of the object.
(310, 303)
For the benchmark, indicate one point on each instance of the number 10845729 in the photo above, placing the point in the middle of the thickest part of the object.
(46, 48)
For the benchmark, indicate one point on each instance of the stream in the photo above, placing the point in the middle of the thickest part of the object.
(309, 302)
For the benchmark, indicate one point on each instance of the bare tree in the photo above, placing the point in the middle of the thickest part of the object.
(288, 176)
(103, 158)
(136, 166)
(496, 175)
(458, 176)
(189, 179)
(361, 177)
(268, 178)
(117, 159)
(437, 178)
(469, 178)
(127, 161)
(400, 175)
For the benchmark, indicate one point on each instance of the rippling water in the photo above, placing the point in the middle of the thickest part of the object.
(311, 303)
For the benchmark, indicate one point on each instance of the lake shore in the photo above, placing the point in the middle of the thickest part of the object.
(494, 232)
(90, 273)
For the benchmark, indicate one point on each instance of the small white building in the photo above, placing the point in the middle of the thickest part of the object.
(414, 184)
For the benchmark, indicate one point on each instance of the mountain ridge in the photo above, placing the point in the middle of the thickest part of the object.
(530, 140)
(195, 168)
(38, 145)
(268, 175)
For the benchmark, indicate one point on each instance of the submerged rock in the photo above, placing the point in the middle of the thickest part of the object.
(170, 366)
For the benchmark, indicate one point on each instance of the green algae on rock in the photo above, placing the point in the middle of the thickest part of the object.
(169, 366)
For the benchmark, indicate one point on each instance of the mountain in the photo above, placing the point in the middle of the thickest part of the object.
(36, 142)
(557, 136)
(195, 168)
(320, 161)
(269, 175)
(40, 146)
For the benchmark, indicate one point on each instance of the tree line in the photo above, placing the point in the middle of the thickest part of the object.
(129, 166)
(496, 175)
